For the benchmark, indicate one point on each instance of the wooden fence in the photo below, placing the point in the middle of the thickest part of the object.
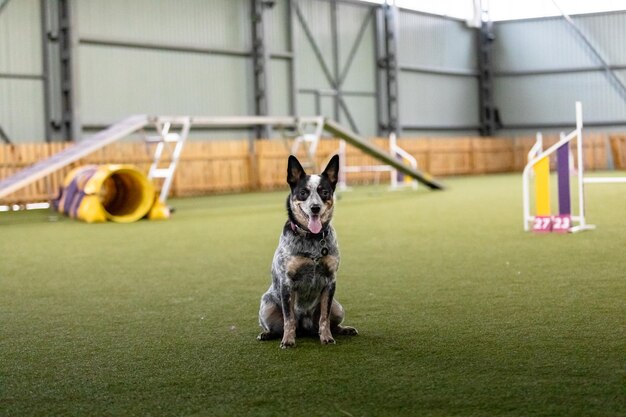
(228, 165)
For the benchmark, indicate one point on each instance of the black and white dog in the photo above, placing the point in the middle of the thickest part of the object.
(301, 296)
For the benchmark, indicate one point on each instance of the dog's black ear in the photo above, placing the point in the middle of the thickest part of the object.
(332, 171)
(295, 172)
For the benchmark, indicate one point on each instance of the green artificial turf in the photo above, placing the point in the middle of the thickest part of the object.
(460, 312)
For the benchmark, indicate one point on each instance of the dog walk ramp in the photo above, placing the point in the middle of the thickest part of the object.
(355, 140)
(71, 154)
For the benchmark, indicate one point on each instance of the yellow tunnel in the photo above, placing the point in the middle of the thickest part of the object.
(120, 193)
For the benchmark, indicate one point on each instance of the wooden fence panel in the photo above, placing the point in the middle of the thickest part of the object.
(219, 166)
(618, 150)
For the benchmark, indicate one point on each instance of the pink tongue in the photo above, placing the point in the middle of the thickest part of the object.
(315, 225)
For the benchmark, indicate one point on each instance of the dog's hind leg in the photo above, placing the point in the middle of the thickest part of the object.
(270, 319)
(337, 315)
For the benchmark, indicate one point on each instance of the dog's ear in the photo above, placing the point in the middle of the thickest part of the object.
(295, 172)
(332, 171)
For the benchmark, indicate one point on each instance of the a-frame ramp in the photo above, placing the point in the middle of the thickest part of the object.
(67, 156)
(355, 140)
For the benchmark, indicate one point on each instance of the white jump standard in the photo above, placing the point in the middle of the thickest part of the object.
(539, 165)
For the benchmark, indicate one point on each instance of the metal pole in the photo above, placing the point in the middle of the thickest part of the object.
(581, 165)
(292, 69)
(485, 76)
(335, 45)
(68, 42)
(379, 53)
(390, 13)
(259, 64)
(45, 64)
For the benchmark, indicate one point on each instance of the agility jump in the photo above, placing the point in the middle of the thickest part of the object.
(544, 220)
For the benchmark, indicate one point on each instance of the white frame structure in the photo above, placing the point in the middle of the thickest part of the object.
(394, 149)
(136, 123)
(165, 137)
(535, 155)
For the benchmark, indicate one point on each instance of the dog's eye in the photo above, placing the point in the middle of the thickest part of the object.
(303, 193)
(323, 193)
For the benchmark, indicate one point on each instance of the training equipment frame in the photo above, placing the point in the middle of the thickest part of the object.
(539, 165)
(394, 149)
(163, 124)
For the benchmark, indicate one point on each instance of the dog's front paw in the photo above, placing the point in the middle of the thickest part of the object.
(287, 343)
(328, 340)
(326, 337)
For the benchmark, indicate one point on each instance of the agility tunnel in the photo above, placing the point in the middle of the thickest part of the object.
(118, 193)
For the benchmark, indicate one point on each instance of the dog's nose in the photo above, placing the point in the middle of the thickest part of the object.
(315, 209)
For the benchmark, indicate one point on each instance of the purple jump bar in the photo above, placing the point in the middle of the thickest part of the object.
(562, 163)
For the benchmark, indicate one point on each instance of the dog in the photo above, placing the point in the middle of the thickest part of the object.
(300, 299)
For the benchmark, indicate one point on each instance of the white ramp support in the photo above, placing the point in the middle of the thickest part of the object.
(163, 139)
(309, 134)
(397, 150)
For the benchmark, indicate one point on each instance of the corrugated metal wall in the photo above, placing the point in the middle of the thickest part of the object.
(278, 39)
(21, 81)
(542, 67)
(194, 57)
(349, 63)
(438, 67)
(117, 80)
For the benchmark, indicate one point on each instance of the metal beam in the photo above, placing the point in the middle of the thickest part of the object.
(3, 4)
(160, 46)
(458, 72)
(441, 128)
(487, 109)
(389, 64)
(334, 29)
(281, 55)
(18, 76)
(614, 80)
(557, 71)
(4, 136)
(259, 64)
(46, 30)
(355, 46)
(379, 54)
(334, 92)
(344, 106)
(316, 49)
(560, 125)
(293, 81)
(236, 121)
(67, 40)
